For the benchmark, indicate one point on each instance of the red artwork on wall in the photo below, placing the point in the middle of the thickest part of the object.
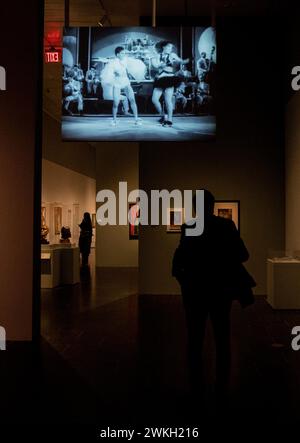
(134, 226)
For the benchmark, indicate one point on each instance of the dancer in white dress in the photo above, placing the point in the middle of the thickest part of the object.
(115, 74)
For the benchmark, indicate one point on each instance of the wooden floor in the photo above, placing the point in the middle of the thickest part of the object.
(110, 356)
(97, 128)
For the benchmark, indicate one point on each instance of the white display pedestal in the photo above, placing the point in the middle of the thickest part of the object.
(283, 283)
(60, 265)
(50, 268)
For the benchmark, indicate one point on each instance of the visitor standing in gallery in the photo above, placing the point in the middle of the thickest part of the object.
(210, 271)
(85, 238)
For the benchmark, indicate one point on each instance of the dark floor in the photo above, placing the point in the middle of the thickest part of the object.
(109, 356)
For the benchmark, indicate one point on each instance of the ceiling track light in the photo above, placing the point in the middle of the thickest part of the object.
(102, 21)
(105, 17)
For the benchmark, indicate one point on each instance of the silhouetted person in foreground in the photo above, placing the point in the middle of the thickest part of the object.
(210, 271)
(85, 238)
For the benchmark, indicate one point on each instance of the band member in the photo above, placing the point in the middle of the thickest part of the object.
(78, 72)
(202, 67)
(74, 88)
(184, 72)
(96, 83)
(66, 72)
(115, 73)
(180, 97)
(166, 80)
(201, 98)
(90, 79)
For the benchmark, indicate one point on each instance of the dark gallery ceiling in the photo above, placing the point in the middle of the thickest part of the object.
(89, 11)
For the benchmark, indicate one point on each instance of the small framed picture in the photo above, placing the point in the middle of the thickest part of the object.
(57, 219)
(94, 221)
(175, 219)
(134, 227)
(229, 209)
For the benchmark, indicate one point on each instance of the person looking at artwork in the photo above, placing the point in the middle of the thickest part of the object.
(115, 73)
(85, 238)
(166, 81)
(210, 272)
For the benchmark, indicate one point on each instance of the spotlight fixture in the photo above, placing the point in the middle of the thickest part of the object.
(102, 20)
(105, 18)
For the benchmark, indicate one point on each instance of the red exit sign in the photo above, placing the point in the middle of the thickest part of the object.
(52, 57)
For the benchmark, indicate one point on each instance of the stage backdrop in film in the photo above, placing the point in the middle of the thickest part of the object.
(139, 84)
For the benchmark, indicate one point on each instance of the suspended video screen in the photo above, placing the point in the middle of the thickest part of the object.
(139, 84)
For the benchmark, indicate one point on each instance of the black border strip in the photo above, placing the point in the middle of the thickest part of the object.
(36, 275)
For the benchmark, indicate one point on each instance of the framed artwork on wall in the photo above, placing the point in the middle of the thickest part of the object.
(229, 209)
(175, 220)
(57, 219)
(134, 227)
(94, 221)
(76, 221)
(43, 215)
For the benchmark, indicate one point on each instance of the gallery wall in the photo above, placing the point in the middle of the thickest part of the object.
(246, 163)
(18, 117)
(62, 186)
(292, 139)
(293, 173)
(116, 162)
(80, 157)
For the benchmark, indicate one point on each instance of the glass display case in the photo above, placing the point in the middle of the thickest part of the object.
(284, 255)
(283, 279)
